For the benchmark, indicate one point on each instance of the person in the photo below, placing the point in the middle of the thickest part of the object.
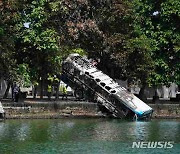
(63, 89)
(16, 91)
(35, 89)
(94, 63)
(49, 90)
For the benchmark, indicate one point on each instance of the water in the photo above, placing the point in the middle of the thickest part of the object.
(86, 136)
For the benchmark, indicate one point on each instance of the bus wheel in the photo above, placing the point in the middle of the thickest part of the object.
(78, 93)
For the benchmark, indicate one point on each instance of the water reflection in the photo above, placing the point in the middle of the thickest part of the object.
(93, 135)
(141, 131)
(22, 132)
(113, 131)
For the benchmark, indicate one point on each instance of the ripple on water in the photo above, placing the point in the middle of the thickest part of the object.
(85, 136)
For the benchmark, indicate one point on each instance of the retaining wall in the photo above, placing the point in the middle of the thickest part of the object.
(60, 109)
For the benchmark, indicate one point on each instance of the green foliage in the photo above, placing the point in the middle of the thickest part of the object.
(140, 64)
(23, 75)
(8, 17)
(67, 51)
(159, 21)
(138, 39)
(97, 27)
(79, 51)
(39, 44)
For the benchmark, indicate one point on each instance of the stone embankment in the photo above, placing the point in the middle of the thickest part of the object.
(61, 109)
(37, 109)
(166, 111)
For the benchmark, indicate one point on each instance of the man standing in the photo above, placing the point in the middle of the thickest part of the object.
(16, 91)
(63, 90)
(49, 90)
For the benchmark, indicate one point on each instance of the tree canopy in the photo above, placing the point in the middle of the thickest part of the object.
(137, 40)
(8, 17)
(159, 21)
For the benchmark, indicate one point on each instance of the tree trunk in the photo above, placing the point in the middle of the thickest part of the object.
(155, 97)
(42, 87)
(7, 89)
(142, 95)
(57, 91)
(35, 92)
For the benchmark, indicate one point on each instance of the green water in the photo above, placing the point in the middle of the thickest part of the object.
(85, 136)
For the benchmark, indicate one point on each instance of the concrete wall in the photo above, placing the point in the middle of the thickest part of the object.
(166, 110)
(75, 109)
(50, 110)
(162, 91)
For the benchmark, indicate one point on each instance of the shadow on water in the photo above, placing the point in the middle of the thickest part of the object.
(85, 135)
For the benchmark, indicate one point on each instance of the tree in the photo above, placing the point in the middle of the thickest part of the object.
(38, 44)
(140, 64)
(6, 39)
(159, 22)
(8, 18)
(98, 27)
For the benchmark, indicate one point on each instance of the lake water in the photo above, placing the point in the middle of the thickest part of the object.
(86, 136)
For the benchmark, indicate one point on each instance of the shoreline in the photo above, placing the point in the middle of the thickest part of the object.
(81, 117)
(44, 109)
